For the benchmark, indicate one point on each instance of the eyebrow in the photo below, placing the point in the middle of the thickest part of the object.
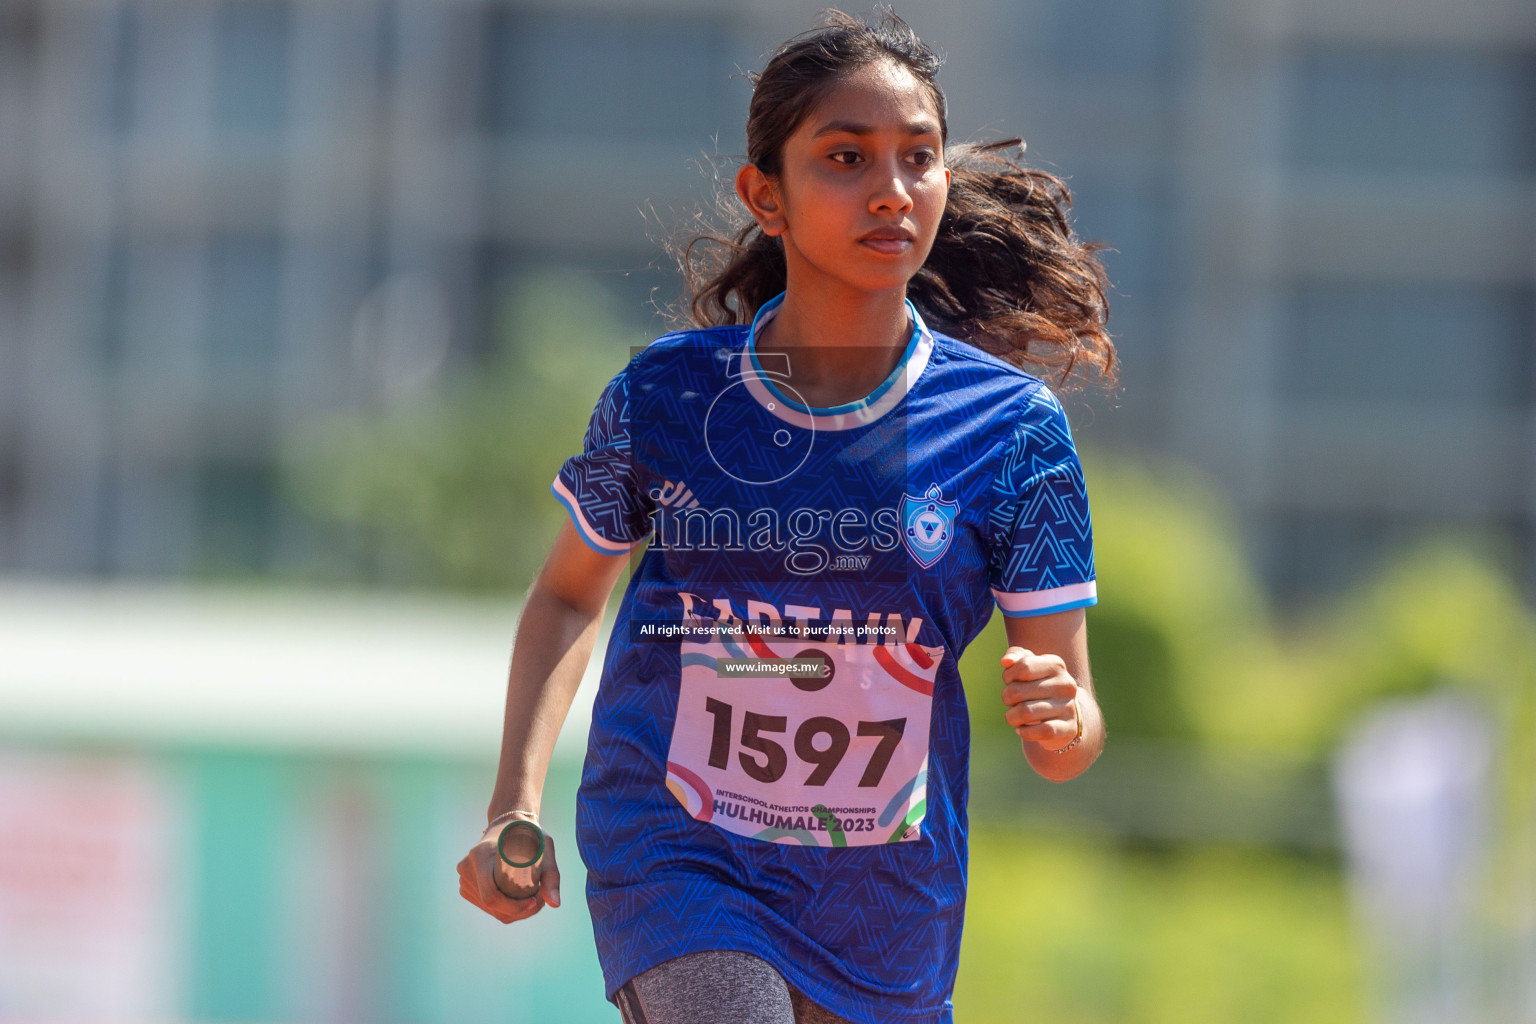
(855, 128)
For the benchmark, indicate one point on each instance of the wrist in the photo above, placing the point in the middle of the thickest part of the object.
(1077, 713)
(502, 819)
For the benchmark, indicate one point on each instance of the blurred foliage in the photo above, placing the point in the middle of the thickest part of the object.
(1073, 931)
(1182, 643)
(1180, 612)
(1438, 615)
(1185, 647)
(456, 484)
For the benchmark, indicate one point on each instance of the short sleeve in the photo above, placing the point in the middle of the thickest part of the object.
(600, 487)
(1041, 537)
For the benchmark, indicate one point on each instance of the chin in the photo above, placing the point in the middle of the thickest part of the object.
(894, 284)
(858, 272)
(883, 279)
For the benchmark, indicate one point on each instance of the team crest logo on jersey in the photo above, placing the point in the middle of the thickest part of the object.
(928, 525)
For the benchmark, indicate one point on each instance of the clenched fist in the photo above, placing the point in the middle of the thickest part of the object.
(1041, 696)
(481, 868)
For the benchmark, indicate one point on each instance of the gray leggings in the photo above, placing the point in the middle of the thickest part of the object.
(717, 987)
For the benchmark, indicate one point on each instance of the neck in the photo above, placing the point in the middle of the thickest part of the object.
(842, 342)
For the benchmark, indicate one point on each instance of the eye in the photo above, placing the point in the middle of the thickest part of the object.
(846, 157)
(924, 158)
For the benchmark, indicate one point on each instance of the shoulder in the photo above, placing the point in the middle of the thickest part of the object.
(680, 356)
(967, 358)
(1029, 420)
(689, 340)
(667, 352)
(1015, 393)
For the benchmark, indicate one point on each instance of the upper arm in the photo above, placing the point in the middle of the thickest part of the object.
(577, 574)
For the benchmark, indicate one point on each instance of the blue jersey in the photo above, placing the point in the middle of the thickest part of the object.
(777, 759)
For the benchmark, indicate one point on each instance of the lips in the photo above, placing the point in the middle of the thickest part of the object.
(888, 240)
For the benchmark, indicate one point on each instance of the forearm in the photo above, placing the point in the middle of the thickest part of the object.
(1045, 671)
(549, 656)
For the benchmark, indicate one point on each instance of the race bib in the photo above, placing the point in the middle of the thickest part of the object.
(798, 741)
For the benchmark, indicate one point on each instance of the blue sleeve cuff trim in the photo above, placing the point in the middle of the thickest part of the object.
(1068, 606)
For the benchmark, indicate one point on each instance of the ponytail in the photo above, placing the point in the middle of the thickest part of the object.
(1006, 273)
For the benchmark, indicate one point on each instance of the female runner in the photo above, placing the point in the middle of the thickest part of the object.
(840, 470)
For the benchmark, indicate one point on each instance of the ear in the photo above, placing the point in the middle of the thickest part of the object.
(760, 193)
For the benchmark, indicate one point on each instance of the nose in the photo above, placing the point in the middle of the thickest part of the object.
(890, 192)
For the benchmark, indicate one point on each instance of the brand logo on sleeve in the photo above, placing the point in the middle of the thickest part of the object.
(928, 525)
(676, 494)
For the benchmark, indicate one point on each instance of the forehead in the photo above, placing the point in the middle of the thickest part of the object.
(883, 96)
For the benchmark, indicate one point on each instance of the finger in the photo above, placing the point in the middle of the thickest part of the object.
(472, 894)
(496, 902)
(503, 907)
(523, 908)
(1053, 735)
(549, 877)
(1035, 712)
(1053, 688)
(1014, 655)
(1034, 666)
(1021, 663)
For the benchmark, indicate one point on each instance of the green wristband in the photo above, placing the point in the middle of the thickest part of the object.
(502, 838)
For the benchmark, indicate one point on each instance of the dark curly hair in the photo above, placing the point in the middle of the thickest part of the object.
(1005, 274)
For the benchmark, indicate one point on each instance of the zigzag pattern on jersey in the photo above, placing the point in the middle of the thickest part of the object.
(613, 496)
(610, 415)
(1041, 530)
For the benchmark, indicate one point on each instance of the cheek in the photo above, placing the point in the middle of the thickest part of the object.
(931, 197)
(823, 205)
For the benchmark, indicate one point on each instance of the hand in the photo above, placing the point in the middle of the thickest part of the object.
(477, 881)
(1041, 696)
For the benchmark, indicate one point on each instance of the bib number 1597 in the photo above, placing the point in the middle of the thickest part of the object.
(820, 742)
(841, 763)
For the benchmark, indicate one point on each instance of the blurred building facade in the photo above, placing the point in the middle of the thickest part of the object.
(221, 220)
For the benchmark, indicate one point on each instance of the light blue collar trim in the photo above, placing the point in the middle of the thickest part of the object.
(827, 416)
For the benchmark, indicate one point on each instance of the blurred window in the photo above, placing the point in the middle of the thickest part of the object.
(235, 518)
(1412, 342)
(607, 76)
(125, 28)
(112, 338)
(1112, 39)
(1313, 553)
(1309, 554)
(243, 303)
(251, 65)
(10, 501)
(639, 292)
(1134, 219)
(1381, 110)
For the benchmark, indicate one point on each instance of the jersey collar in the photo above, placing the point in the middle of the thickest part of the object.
(774, 393)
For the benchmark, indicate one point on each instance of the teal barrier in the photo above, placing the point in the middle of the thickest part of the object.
(319, 889)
